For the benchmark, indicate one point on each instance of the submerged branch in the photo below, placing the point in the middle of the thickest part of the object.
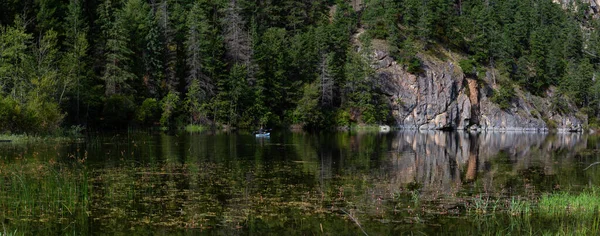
(355, 221)
(593, 164)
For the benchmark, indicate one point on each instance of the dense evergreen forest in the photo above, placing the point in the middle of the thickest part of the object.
(242, 63)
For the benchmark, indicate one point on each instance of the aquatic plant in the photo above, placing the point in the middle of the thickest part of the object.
(479, 205)
(519, 207)
(9, 233)
(584, 205)
(35, 190)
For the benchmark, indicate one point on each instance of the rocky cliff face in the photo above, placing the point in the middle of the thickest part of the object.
(441, 97)
(594, 5)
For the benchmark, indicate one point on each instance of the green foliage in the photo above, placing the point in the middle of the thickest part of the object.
(34, 117)
(342, 118)
(559, 104)
(149, 112)
(362, 98)
(551, 124)
(44, 116)
(193, 102)
(504, 96)
(13, 58)
(308, 111)
(469, 67)
(578, 81)
(170, 105)
(11, 115)
(195, 128)
(414, 66)
(380, 17)
(116, 68)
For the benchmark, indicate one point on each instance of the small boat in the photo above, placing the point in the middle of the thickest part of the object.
(384, 128)
(263, 135)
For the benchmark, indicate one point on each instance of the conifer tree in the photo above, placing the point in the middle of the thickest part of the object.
(116, 69)
(152, 56)
(72, 63)
(195, 54)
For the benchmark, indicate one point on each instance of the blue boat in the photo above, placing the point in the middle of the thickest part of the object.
(263, 135)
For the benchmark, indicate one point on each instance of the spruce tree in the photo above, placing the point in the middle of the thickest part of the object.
(116, 68)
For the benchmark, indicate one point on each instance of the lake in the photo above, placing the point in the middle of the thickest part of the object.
(347, 183)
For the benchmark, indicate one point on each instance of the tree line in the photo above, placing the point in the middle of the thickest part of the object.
(242, 63)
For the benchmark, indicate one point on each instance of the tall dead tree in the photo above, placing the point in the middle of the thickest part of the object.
(326, 80)
(237, 39)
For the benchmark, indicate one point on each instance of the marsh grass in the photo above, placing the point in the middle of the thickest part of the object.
(37, 191)
(10, 233)
(483, 205)
(582, 206)
(519, 207)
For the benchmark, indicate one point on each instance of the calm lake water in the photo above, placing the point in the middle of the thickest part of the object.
(295, 183)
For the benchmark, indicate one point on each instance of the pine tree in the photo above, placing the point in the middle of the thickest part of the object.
(116, 69)
(195, 54)
(72, 63)
(135, 14)
(271, 59)
(152, 56)
(46, 18)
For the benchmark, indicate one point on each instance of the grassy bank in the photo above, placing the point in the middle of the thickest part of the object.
(195, 128)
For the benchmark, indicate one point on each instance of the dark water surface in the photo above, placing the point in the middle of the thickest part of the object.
(295, 183)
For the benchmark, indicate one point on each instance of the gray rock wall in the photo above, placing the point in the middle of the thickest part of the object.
(441, 97)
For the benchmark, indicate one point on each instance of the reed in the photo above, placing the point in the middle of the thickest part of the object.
(34, 190)
(519, 207)
(584, 205)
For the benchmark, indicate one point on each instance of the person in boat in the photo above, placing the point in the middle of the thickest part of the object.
(261, 130)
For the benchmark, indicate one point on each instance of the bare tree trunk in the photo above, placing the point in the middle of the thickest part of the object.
(237, 39)
(326, 82)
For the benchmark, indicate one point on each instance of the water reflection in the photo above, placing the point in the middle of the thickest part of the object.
(437, 160)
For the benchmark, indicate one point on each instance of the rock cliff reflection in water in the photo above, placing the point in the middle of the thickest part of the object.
(297, 183)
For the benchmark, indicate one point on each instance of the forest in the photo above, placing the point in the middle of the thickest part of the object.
(112, 64)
